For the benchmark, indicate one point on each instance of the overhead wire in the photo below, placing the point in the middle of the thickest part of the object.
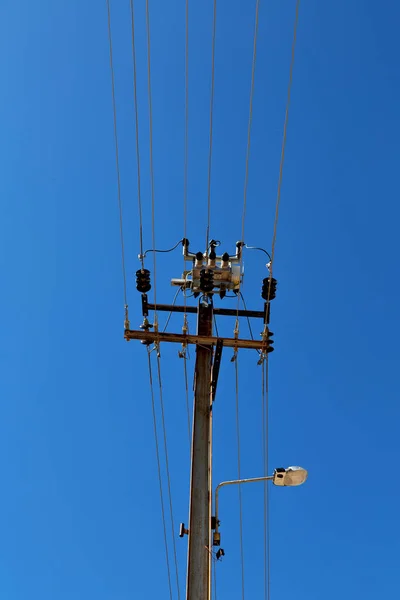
(162, 251)
(278, 195)
(253, 70)
(240, 295)
(159, 470)
(239, 472)
(186, 137)
(121, 228)
(187, 401)
(135, 102)
(211, 124)
(265, 391)
(249, 124)
(168, 472)
(153, 231)
(265, 433)
(171, 311)
(215, 579)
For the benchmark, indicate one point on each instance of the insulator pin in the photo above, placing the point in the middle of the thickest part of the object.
(143, 284)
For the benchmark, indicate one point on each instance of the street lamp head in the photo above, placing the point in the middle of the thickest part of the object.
(291, 476)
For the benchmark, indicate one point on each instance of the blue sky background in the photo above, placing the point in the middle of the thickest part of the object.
(79, 506)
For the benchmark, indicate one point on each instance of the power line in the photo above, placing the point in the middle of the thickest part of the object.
(265, 410)
(211, 123)
(278, 196)
(187, 400)
(151, 154)
(265, 436)
(171, 311)
(121, 229)
(186, 146)
(250, 120)
(239, 471)
(186, 149)
(168, 474)
(137, 132)
(159, 471)
(215, 579)
(253, 70)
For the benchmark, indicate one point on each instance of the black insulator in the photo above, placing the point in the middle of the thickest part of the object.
(270, 341)
(143, 284)
(199, 255)
(185, 242)
(266, 292)
(225, 257)
(206, 280)
(212, 255)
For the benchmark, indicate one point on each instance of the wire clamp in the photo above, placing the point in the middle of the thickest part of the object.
(127, 325)
(236, 336)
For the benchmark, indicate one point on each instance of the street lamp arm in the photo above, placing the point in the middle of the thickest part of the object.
(234, 482)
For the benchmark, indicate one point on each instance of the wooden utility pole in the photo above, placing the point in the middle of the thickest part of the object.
(200, 545)
(204, 278)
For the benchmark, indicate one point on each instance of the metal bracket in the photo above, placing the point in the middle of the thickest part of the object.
(145, 306)
(216, 365)
(227, 312)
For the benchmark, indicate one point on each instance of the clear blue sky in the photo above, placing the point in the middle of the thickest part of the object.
(80, 510)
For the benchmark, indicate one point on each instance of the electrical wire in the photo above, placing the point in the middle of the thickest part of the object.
(253, 70)
(167, 472)
(121, 229)
(265, 435)
(216, 326)
(187, 402)
(239, 472)
(153, 231)
(211, 123)
(135, 102)
(256, 248)
(278, 196)
(186, 134)
(159, 470)
(163, 251)
(267, 586)
(248, 318)
(250, 120)
(170, 313)
(215, 579)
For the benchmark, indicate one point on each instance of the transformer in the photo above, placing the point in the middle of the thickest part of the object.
(211, 273)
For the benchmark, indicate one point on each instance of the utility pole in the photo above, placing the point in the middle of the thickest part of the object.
(203, 279)
(199, 560)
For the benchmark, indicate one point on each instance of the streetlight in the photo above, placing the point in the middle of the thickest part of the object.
(291, 476)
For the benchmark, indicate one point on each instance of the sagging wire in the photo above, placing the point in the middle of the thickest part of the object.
(211, 123)
(167, 471)
(137, 133)
(170, 313)
(185, 358)
(144, 254)
(121, 228)
(239, 470)
(153, 231)
(159, 470)
(186, 133)
(250, 120)
(256, 248)
(265, 435)
(278, 195)
(185, 355)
